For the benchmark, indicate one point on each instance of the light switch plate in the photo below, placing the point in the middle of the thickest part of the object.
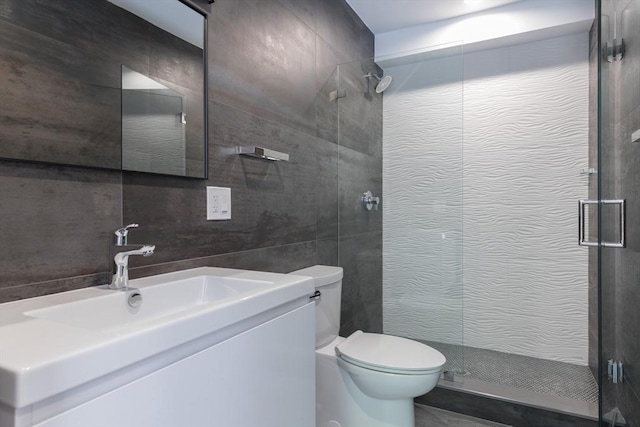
(218, 203)
(635, 136)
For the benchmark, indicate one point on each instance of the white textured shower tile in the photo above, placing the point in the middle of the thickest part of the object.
(481, 180)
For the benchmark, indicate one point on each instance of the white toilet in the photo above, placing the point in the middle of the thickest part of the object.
(365, 380)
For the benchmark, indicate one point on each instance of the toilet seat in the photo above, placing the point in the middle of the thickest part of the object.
(388, 353)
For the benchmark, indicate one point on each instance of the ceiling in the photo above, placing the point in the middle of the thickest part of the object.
(388, 15)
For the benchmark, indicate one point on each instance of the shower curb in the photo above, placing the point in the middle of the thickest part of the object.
(515, 407)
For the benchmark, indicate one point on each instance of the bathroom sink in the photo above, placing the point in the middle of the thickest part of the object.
(112, 313)
(57, 342)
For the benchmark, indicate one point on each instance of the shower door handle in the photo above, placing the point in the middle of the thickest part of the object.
(583, 239)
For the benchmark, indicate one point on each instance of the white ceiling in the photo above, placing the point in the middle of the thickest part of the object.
(388, 15)
(170, 15)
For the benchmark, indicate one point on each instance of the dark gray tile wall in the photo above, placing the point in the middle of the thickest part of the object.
(56, 225)
(271, 65)
(360, 170)
(620, 178)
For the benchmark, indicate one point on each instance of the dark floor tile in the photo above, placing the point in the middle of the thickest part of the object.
(519, 372)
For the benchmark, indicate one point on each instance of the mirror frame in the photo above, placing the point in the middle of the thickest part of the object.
(204, 11)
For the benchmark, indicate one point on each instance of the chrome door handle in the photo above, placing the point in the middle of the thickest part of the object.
(583, 239)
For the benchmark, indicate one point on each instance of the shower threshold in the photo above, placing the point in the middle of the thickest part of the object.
(493, 376)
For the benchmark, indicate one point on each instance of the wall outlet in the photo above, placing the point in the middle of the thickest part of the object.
(218, 203)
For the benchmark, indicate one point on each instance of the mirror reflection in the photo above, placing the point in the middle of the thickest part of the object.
(153, 126)
(66, 97)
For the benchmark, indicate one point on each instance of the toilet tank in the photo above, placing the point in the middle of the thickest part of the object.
(328, 280)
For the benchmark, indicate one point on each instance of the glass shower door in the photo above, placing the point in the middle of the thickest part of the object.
(618, 246)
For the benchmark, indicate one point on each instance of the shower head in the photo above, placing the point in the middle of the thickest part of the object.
(383, 82)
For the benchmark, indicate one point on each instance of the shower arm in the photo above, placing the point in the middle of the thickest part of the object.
(368, 75)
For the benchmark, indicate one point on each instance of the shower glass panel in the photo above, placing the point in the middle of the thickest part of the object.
(417, 172)
(422, 209)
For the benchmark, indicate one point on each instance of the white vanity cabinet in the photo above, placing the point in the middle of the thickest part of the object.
(258, 371)
(261, 377)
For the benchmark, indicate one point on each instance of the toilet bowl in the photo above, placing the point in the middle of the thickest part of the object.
(365, 379)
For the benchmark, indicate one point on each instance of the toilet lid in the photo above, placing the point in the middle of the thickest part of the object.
(388, 352)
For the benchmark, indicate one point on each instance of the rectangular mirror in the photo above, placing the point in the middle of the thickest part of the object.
(69, 93)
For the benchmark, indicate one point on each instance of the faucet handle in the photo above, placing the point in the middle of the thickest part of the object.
(147, 250)
(121, 234)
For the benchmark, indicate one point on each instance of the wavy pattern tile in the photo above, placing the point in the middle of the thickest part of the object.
(481, 162)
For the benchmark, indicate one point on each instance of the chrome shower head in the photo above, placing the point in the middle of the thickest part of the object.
(383, 82)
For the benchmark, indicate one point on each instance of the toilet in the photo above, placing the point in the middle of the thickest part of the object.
(365, 379)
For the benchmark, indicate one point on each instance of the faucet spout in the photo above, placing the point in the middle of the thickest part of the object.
(121, 278)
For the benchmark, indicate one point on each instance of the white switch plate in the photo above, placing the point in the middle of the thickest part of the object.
(218, 203)
(635, 137)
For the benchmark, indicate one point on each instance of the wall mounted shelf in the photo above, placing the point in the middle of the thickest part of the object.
(263, 153)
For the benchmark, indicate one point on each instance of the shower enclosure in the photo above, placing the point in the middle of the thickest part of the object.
(481, 159)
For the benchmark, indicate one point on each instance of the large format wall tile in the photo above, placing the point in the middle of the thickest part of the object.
(358, 173)
(305, 10)
(272, 66)
(279, 259)
(56, 222)
(339, 25)
(362, 284)
(62, 108)
(522, 180)
(628, 82)
(360, 111)
(93, 26)
(273, 203)
(262, 59)
(327, 106)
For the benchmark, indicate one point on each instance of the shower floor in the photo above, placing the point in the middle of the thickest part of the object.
(541, 376)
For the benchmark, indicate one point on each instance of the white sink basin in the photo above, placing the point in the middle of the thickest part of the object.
(51, 344)
(112, 312)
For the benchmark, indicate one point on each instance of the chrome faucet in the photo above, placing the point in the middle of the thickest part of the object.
(121, 278)
(122, 234)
